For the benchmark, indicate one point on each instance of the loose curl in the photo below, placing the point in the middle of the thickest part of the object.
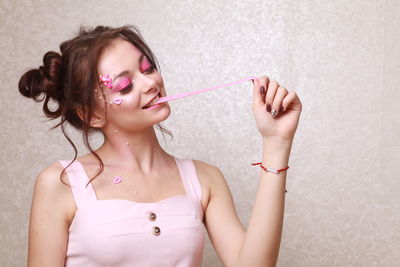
(69, 79)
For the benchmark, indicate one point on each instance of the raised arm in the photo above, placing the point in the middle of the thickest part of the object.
(263, 235)
(258, 245)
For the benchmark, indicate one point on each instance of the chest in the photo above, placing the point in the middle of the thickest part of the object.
(110, 231)
(134, 188)
(138, 188)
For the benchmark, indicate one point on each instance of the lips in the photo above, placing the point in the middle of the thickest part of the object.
(152, 101)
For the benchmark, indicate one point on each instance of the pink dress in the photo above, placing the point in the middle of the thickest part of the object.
(123, 233)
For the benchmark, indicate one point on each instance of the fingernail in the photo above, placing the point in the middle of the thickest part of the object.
(252, 81)
(268, 107)
(273, 112)
(281, 110)
(262, 90)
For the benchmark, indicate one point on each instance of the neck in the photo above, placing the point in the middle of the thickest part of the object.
(139, 151)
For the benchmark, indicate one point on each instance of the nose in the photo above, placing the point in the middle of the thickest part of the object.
(149, 84)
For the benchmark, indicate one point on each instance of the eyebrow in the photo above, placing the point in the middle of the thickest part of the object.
(127, 71)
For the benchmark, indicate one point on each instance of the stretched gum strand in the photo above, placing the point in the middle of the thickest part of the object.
(173, 97)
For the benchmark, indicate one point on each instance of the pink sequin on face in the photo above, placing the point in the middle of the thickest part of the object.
(117, 179)
(117, 101)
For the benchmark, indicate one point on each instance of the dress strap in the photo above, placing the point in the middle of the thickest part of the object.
(189, 177)
(78, 179)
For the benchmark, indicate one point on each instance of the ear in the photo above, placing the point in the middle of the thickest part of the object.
(97, 120)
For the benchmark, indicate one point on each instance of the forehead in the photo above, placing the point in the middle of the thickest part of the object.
(118, 56)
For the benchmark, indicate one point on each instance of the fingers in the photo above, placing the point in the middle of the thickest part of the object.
(271, 92)
(259, 90)
(273, 97)
(277, 104)
(293, 100)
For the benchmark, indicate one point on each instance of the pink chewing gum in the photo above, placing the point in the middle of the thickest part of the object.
(153, 106)
(173, 97)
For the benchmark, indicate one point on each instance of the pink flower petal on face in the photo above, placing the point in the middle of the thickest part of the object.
(106, 80)
(117, 101)
(117, 179)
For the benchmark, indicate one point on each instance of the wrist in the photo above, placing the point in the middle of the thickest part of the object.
(276, 153)
(277, 143)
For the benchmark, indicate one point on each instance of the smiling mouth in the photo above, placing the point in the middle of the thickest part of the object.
(151, 103)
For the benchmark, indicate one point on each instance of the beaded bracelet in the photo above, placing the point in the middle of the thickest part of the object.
(266, 169)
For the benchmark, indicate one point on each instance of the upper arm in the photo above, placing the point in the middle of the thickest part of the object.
(48, 224)
(224, 228)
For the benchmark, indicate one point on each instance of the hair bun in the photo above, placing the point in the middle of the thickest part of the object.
(44, 80)
(52, 71)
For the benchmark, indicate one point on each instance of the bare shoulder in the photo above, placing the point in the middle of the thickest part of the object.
(210, 177)
(47, 176)
(49, 187)
(207, 170)
(48, 180)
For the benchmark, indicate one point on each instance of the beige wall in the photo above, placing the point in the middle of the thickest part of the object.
(342, 58)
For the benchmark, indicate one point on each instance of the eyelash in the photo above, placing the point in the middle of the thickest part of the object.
(127, 88)
(149, 69)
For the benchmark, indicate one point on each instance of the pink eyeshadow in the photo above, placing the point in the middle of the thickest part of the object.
(122, 84)
(145, 65)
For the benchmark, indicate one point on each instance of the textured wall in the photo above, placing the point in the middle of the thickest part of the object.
(342, 58)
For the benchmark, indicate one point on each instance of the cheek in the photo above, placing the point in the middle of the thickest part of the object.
(159, 80)
(119, 102)
(99, 101)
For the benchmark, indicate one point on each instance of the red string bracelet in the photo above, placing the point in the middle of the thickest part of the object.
(266, 169)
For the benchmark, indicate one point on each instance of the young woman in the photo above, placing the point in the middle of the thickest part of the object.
(129, 202)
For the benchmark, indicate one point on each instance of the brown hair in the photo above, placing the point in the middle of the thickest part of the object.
(70, 78)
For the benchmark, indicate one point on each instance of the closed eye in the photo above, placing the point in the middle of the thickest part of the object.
(150, 69)
(126, 89)
(145, 65)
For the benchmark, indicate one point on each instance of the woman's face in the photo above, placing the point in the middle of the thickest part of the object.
(134, 83)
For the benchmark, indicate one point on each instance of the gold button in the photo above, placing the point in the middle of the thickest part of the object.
(156, 230)
(152, 217)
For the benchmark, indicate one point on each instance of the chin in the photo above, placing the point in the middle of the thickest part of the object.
(164, 112)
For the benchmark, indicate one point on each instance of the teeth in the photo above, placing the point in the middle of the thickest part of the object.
(153, 101)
